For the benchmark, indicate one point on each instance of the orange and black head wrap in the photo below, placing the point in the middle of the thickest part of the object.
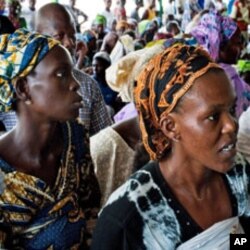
(163, 81)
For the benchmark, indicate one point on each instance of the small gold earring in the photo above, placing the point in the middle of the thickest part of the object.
(28, 102)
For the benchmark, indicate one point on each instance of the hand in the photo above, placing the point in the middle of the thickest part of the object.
(81, 51)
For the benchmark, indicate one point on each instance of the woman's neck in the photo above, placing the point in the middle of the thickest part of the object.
(181, 175)
(36, 139)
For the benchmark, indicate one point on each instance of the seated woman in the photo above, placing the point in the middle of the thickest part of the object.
(50, 190)
(115, 162)
(221, 37)
(192, 193)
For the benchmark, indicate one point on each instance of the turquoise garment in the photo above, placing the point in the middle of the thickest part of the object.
(37, 216)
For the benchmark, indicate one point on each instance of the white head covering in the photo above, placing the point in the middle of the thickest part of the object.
(121, 75)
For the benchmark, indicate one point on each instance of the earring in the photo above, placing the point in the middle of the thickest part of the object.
(28, 102)
(176, 138)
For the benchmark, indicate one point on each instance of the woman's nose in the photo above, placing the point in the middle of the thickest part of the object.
(74, 85)
(230, 124)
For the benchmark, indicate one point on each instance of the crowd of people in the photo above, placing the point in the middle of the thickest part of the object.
(129, 133)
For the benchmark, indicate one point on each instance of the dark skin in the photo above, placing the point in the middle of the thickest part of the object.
(109, 42)
(230, 52)
(53, 20)
(36, 141)
(203, 135)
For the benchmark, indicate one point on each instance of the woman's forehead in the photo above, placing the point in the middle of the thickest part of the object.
(213, 86)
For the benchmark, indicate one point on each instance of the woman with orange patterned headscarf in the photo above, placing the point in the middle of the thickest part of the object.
(193, 192)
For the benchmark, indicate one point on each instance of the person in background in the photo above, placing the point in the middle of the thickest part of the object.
(90, 39)
(191, 8)
(150, 12)
(109, 42)
(195, 188)
(147, 30)
(133, 25)
(114, 163)
(29, 14)
(50, 190)
(101, 62)
(81, 52)
(78, 15)
(195, 20)
(123, 46)
(15, 10)
(108, 14)
(120, 10)
(241, 14)
(99, 26)
(135, 13)
(222, 38)
(173, 28)
(53, 19)
(121, 27)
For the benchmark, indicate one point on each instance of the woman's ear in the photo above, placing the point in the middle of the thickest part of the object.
(169, 127)
(22, 89)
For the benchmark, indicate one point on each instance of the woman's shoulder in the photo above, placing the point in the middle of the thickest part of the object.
(133, 195)
(241, 167)
(239, 181)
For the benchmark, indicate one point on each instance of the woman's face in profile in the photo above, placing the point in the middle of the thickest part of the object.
(206, 122)
(53, 88)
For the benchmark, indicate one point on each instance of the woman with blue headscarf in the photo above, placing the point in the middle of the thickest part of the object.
(49, 193)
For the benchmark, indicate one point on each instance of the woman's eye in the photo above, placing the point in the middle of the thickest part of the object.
(233, 111)
(59, 74)
(213, 117)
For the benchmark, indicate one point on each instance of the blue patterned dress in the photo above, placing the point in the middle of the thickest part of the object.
(34, 215)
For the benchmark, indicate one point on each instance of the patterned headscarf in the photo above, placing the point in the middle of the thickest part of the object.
(20, 52)
(213, 30)
(163, 81)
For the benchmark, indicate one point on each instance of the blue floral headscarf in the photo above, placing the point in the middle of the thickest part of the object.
(20, 52)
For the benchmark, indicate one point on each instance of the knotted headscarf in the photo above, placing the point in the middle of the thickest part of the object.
(20, 52)
(212, 31)
(163, 81)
